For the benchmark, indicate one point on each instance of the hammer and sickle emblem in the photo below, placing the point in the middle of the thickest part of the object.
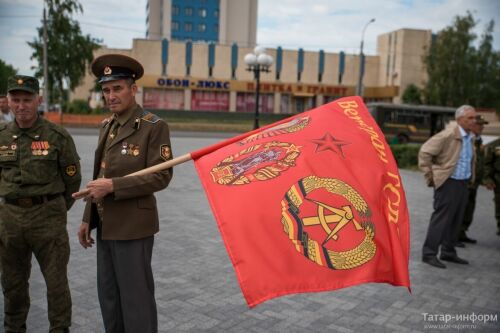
(332, 219)
(340, 216)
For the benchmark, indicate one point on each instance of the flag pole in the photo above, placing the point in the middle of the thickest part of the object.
(158, 167)
(189, 156)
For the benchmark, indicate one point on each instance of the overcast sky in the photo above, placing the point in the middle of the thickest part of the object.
(331, 25)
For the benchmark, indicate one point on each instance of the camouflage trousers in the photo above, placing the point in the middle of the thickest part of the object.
(497, 204)
(39, 230)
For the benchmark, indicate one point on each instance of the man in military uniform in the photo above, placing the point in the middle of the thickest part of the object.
(477, 130)
(39, 170)
(5, 114)
(492, 175)
(123, 209)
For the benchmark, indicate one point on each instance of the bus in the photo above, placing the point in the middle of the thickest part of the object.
(403, 123)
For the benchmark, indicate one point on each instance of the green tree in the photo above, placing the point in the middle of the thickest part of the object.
(487, 75)
(6, 70)
(68, 51)
(412, 95)
(459, 72)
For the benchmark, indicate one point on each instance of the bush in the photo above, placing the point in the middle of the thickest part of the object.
(406, 155)
(79, 106)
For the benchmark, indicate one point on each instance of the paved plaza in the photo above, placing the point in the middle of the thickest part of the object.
(197, 290)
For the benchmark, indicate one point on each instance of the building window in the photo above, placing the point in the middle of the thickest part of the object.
(216, 13)
(202, 12)
(202, 27)
(216, 28)
(188, 11)
(175, 10)
(188, 26)
(175, 26)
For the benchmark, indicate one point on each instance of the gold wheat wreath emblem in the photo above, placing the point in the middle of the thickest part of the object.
(296, 226)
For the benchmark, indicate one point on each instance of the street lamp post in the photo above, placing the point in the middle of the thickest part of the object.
(359, 88)
(257, 62)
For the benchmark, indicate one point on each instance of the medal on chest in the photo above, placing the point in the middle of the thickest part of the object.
(130, 149)
(124, 148)
(39, 148)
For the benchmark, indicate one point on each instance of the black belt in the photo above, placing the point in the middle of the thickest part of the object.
(32, 201)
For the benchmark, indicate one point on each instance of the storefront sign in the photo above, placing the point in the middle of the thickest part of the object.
(151, 81)
(193, 84)
(300, 88)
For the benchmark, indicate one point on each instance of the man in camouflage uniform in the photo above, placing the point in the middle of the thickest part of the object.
(492, 175)
(39, 170)
(477, 129)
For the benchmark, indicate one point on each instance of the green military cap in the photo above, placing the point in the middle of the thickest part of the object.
(111, 67)
(480, 120)
(23, 83)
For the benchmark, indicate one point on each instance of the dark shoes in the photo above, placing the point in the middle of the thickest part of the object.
(498, 232)
(463, 238)
(459, 244)
(454, 259)
(433, 261)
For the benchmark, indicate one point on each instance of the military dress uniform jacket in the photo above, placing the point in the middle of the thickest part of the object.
(39, 161)
(439, 155)
(130, 212)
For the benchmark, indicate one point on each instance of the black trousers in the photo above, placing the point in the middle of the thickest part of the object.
(449, 206)
(125, 285)
(469, 209)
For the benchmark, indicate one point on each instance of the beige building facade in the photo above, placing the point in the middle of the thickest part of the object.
(213, 77)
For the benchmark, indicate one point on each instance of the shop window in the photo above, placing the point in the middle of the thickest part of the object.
(245, 102)
(163, 99)
(209, 100)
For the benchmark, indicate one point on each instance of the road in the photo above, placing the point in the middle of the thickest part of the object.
(197, 290)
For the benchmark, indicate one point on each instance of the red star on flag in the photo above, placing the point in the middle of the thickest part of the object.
(328, 142)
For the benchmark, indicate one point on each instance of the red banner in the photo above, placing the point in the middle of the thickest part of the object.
(312, 203)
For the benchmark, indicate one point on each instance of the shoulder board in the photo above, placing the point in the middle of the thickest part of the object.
(150, 117)
(106, 121)
(57, 128)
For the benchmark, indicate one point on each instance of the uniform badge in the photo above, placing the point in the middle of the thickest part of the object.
(13, 146)
(5, 151)
(107, 70)
(165, 153)
(71, 170)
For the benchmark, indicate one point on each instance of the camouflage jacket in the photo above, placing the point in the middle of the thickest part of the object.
(492, 163)
(41, 160)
